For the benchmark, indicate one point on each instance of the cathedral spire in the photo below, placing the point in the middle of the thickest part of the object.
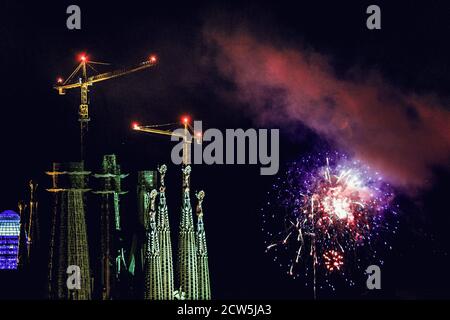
(153, 285)
(165, 245)
(187, 256)
(204, 289)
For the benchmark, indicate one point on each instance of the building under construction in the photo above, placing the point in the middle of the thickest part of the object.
(69, 240)
(150, 260)
(111, 265)
(192, 261)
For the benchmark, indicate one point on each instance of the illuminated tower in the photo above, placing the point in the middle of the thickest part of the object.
(69, 245)
(152, 266)
(9, 239)
(204, 289)
(165, 245)
(112, 253)
(146, 183)
(187, 255)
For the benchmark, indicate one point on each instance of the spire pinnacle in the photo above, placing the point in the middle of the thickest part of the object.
(200, 196)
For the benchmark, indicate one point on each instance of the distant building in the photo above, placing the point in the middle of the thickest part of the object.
(9, 239)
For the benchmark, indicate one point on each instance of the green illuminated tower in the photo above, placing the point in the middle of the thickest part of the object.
(165, 245)
(112, 260)
(152, 266)
(187, 255)
(204, 289)
(69, 243)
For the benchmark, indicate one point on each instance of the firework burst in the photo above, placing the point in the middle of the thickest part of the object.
(333, 260)
(332, 211)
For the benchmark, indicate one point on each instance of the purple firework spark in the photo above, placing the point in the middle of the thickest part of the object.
(331, 209)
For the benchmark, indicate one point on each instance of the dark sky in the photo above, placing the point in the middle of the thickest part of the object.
(411, 52)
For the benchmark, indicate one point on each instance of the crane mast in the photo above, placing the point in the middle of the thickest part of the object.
(83, 82)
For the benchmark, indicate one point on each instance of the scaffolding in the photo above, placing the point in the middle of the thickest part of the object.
(69, 243)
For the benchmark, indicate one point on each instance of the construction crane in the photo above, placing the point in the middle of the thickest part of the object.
(79, 79)
(187, 134)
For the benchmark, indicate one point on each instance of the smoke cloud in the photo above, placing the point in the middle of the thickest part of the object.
(403, 135)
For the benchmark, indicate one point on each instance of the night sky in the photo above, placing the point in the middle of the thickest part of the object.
(206, 72)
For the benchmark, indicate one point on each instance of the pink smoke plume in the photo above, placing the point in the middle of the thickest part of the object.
(400, 134)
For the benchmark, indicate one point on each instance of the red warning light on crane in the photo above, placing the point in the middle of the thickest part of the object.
(185, 119)
(135, 125)
(82, 57)
(153, 58)
(59, 80)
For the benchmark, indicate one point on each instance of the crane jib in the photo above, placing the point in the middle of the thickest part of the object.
(105, 76)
